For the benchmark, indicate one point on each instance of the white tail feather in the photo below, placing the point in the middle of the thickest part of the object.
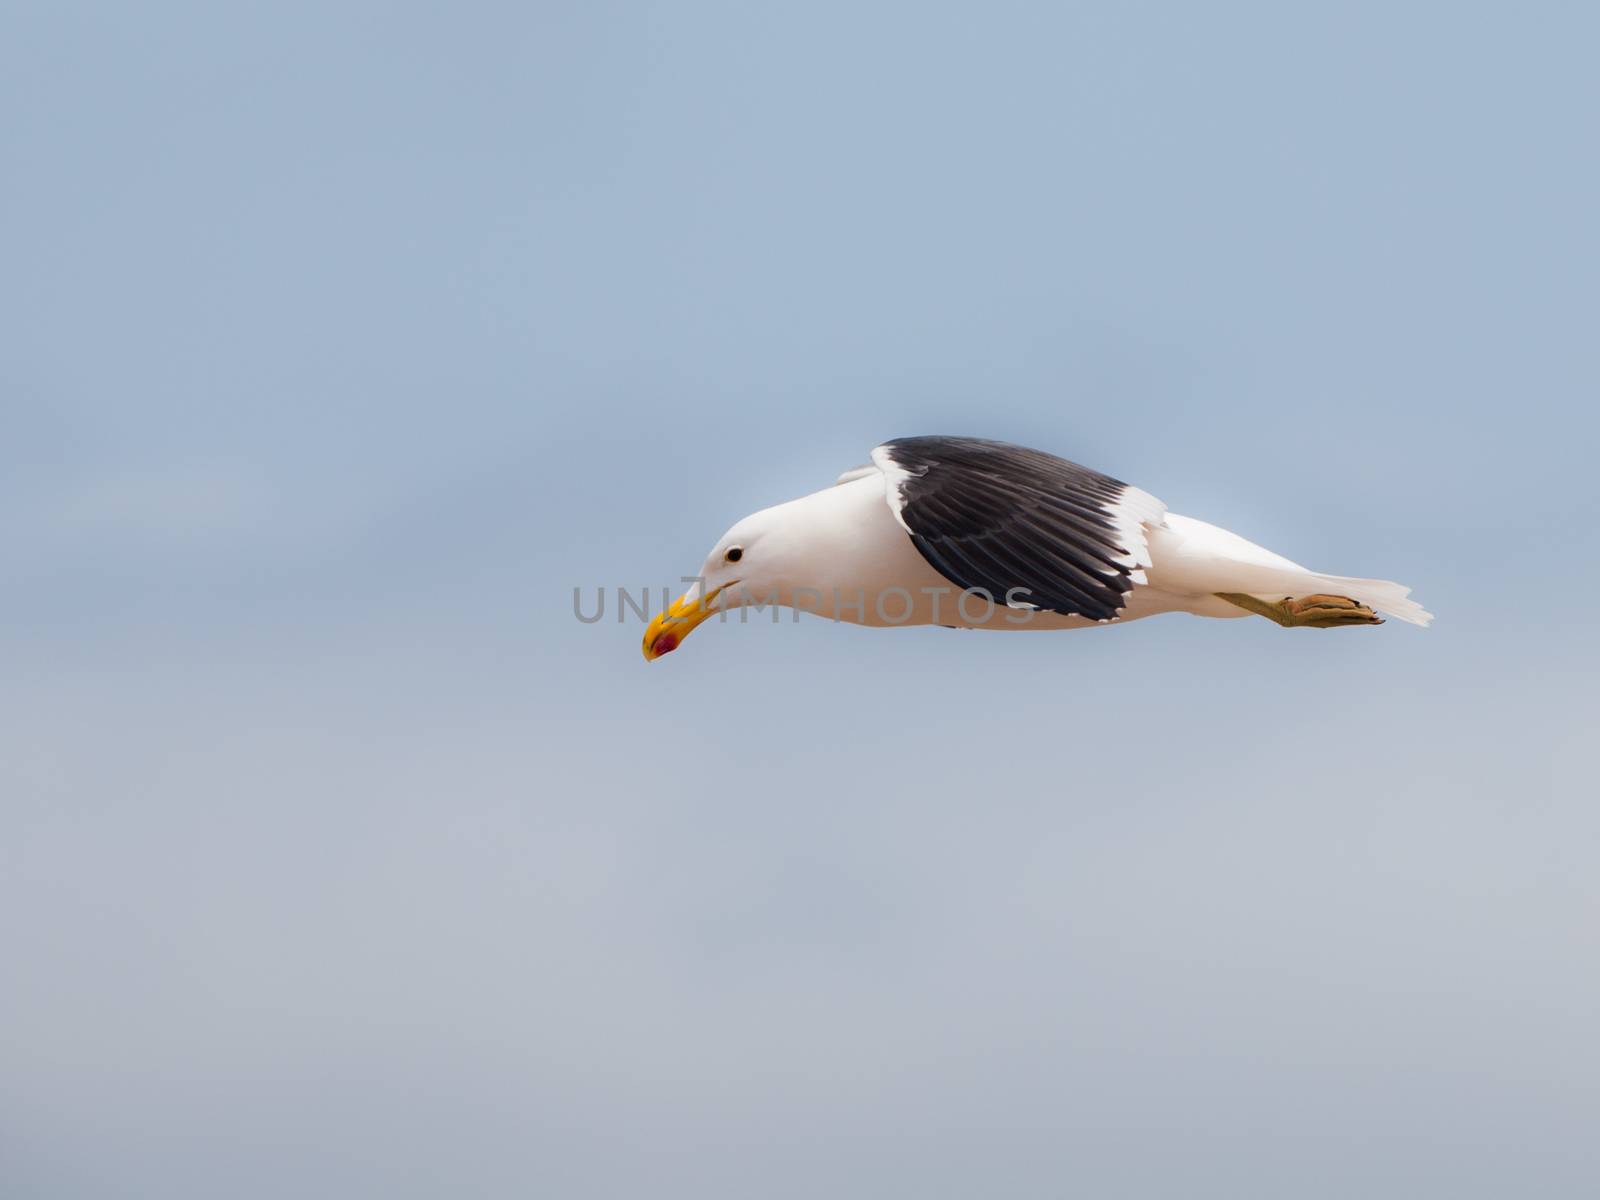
(1200, 558)
(1275, 583)
(1389, 598)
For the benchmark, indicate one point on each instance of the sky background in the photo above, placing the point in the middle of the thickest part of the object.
(342, 342)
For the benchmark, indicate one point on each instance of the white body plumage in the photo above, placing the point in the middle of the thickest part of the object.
(843, 543)
(977, 534)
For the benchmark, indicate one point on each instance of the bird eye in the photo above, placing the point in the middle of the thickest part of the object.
(734, 554)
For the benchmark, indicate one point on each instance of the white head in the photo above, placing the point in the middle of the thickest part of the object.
(754, 562)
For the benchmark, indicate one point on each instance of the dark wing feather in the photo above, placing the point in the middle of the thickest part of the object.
(997, 518)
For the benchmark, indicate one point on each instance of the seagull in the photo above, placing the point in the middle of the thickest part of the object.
(976, 534)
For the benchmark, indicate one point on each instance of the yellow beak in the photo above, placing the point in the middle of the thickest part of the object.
(681, 619)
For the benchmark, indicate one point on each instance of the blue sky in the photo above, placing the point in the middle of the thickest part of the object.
(343, 342)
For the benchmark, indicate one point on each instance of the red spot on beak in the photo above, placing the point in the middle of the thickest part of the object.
(665, 644)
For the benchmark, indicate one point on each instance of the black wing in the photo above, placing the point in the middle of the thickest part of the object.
(995, 517)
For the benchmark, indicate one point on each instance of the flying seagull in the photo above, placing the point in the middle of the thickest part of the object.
(977, 534)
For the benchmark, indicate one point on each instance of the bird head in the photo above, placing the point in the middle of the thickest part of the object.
(745, 564)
